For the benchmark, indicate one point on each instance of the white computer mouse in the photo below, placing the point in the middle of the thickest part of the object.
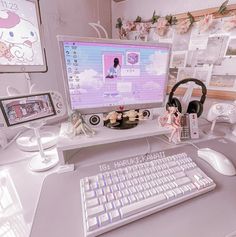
(218, 161)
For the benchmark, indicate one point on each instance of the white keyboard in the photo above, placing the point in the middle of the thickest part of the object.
(136, 187)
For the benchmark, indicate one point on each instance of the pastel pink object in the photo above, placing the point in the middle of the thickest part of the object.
(12, 20)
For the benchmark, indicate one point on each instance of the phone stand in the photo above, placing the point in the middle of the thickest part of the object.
(42, 161)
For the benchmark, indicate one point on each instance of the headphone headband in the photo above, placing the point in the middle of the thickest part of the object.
(198, 82)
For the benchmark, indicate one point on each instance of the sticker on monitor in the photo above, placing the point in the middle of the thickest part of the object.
(20, 43)
(20, 110)
(132, 58)
(112, 63)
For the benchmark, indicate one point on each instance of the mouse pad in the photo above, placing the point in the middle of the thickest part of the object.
(59, 210)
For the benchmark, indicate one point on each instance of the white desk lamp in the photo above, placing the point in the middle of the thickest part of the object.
(42, 161)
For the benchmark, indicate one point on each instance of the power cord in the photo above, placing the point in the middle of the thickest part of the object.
(169, 143)
(149, 146)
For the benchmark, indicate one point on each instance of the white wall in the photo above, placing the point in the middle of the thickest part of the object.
(130, 9)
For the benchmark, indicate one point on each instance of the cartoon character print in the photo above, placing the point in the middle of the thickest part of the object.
(5, 51)
(19, 34)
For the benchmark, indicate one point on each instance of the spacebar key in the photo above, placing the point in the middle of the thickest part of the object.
(143, 205)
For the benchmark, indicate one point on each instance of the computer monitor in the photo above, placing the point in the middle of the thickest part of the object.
(101, 75)
(21, 48)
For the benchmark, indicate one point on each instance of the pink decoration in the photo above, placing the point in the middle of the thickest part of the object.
(162, 26)
(230, 23)
(205, 23)
(183, 26)
(171, 119)
(12, 20)
(129, 26)
(143, 28)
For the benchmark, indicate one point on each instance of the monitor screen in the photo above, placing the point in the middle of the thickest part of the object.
(24, 109)
(20, 41)
(102, 75)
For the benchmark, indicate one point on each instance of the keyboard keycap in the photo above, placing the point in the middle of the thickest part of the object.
(142, 205)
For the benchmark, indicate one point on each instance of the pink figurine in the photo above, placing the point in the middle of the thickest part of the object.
(171, 119)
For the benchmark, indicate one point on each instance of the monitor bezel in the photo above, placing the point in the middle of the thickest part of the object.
(25, 96)
(105, 109)
(30, 68)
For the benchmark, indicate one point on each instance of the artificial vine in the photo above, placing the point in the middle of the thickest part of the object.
(161, 24)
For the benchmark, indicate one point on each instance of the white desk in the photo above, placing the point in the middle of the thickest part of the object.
(58, 211)
(212, 214)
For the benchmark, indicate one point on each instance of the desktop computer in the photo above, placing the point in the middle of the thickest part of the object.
(103, 75)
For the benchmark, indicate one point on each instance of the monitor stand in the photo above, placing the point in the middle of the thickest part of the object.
(42, 161)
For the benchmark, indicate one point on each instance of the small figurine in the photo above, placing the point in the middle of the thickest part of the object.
(171, 119)
(133, 115)
(113, 117)
(79, 125)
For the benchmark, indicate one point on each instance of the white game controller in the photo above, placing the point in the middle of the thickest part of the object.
(31, 107)
(224, 110)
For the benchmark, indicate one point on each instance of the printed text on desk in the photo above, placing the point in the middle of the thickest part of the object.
(137, 187)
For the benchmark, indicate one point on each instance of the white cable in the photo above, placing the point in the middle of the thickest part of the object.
(186, 142)
(149, 146)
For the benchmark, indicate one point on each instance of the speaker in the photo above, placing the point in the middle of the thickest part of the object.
(147, 113)
(94, 120)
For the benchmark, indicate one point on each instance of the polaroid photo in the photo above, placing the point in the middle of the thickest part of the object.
(184, 73)
(203, 73)
(231, 47)
(173, 73)
(227, 82)
(178, 59)
(198, 40)
(181, 41)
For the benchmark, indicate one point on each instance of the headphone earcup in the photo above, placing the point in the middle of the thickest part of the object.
(174, 102)
(195, 106)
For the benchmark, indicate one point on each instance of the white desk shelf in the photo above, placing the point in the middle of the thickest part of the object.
(106, 135)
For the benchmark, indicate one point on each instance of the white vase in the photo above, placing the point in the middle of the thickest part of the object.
(134, 35)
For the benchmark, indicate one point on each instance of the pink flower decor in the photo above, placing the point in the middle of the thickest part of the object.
(183, 26)
(205, 23)
(230, 23)
(128, 26)
(143, 28)
(162, 26)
